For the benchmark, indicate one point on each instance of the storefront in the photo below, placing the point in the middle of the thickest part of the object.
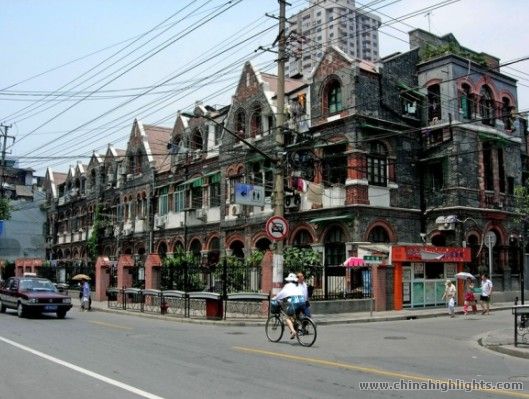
(420, 273)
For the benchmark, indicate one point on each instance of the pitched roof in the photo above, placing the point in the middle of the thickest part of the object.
(158, 137)
(290, 84)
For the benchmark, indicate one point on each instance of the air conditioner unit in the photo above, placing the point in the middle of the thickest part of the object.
(130, 176)
(235, 210)
(202, 214)
(292, 201)
(159, 221)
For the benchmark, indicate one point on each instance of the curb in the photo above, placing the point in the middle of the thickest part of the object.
(504, 349)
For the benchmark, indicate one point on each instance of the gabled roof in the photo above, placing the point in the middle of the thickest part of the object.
(54, 179)
(364, 65)
(156, 147)
(95, 159)
(114, 153)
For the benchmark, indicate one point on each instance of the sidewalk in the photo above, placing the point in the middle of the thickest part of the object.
(498, 340)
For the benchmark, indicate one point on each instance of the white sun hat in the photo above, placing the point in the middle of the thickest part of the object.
(291, 278)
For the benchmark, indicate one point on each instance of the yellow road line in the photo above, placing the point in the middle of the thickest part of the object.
(102, 323)
(369, 370)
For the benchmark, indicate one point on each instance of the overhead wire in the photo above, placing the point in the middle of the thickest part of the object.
(205, 20)
(94, 71)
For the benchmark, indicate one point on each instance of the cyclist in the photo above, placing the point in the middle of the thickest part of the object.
(305, 290)
(292, 295)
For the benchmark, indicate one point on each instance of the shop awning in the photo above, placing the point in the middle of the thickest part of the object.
(330, 219)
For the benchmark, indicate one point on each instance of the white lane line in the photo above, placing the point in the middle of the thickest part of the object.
(81, 370)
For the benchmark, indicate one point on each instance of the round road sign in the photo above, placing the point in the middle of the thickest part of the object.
(276, 228)
(490, 239)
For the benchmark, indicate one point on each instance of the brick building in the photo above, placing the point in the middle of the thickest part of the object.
(422, 148)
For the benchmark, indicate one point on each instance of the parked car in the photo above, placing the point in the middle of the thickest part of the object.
(33, 295)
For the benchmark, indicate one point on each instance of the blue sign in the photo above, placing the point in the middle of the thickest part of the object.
(1, 227)
(247, 194)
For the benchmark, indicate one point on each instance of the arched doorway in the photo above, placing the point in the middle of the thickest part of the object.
(238, 249)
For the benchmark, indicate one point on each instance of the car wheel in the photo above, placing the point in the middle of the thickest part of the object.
(21, 312)
(61, 314)
(2, 308)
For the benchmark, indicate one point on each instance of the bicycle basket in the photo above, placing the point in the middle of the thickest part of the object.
(275, 307)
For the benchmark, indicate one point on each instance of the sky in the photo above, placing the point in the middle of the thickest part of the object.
(75, 74)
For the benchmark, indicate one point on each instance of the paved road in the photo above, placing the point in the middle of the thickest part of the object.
(106, 355)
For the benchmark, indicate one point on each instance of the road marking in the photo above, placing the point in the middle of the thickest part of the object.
(368, 370)
(102, 323)
(81, 370)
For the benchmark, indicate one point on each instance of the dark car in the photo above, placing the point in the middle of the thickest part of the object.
(33, 295)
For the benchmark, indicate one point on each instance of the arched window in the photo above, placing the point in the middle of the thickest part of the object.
(486, 106)
(302, 239)
(377, 164)
(256, 122)
(466, 102)
(434, 102)
(378, 234)
(332, 97)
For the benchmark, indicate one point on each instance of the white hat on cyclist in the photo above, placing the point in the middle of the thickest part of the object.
(291, 278)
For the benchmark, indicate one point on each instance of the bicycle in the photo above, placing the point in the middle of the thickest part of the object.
(275, 326)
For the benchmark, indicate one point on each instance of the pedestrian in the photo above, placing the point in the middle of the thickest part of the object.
(305, 289)
(292, 297)
(85, 292)
(470, 299)
(449, 295)
(486, 293)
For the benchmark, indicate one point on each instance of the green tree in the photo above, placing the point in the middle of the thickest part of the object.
(92, 244)
(304, 260)
(5, 209)
(521, 204)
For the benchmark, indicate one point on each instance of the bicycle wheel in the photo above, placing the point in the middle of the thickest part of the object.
(307, 332)
(274, 328)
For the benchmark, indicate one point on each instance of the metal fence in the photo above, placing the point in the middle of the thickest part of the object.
(194, 304)
(221, 278)
(339, 282)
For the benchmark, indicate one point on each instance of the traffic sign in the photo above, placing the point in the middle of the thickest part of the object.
(276, 228)
(248, 194)
(490, 239)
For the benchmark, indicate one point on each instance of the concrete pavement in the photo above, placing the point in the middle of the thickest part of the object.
(498, 340)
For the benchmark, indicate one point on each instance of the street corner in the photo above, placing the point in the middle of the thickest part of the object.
(502, 341)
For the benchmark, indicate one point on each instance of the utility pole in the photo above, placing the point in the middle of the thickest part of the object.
(5, 136)
(277, 273)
